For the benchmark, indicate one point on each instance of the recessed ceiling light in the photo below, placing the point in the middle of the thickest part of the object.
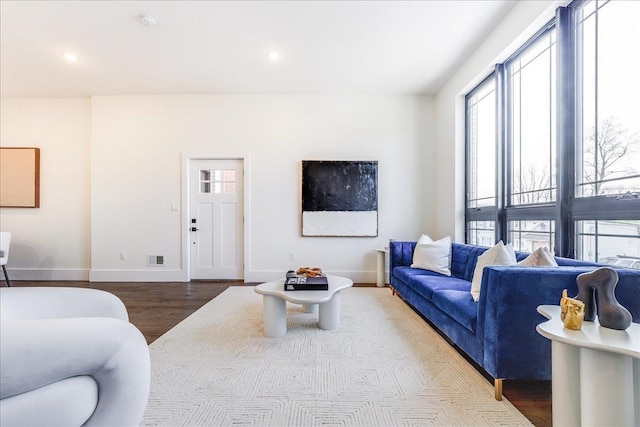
(273, 56)
(70, 57)
(148, 20)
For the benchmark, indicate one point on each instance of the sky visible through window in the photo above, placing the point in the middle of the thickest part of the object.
(533, 84)
(610, 95)
(482, 111)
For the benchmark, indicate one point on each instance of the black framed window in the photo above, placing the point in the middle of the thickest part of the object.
(481, 116)
(530, 107)
(609, 129)
(481, 162)
(608, 133)
(532, 96)
(481, 232)
(567, 139)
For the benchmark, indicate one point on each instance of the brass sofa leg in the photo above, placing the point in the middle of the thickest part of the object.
(497, 385)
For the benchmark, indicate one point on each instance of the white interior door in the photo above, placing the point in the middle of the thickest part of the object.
(216, 221)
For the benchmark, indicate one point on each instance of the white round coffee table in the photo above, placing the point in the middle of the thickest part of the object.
(275, 304)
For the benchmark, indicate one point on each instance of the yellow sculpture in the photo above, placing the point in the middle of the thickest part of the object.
(571, 312)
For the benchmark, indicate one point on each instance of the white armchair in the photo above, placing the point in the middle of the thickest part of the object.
(70, 357)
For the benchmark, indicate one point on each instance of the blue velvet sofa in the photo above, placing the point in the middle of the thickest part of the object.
(499, 331)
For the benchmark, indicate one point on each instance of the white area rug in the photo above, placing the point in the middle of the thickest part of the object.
(384, 367)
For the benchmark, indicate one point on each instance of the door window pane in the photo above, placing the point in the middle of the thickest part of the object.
(229, 187)
(220, 181)
(228, 178)
(205, 181)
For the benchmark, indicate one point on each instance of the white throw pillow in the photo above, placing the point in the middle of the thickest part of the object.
(497, 255)
(512, 254)
(433, 256)
(538, 258)
(424, 239)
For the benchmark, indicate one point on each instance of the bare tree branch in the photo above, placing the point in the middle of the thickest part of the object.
(601, 154)
(532, 185)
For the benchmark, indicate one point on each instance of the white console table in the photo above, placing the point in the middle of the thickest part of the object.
(595, 372)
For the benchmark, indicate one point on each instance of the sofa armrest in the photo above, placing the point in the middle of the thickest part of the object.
(507, 317)
(59, 303)
(400, 254)
(507, 314)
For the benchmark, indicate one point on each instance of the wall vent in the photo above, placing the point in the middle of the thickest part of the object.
(155, 260)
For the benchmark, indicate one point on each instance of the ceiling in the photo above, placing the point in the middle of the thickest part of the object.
(208, 47)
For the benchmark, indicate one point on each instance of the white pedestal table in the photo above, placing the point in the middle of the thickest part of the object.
(595, 372)
(327, 303)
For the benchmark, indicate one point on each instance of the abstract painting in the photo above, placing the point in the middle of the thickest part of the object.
(19, 177)
(339, 198)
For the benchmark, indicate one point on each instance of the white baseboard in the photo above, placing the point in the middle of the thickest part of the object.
(158, 275)
(44, 274)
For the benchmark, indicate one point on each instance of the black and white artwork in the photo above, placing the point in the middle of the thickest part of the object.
(339, 198)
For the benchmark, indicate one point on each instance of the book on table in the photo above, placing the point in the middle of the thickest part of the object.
(303, 283)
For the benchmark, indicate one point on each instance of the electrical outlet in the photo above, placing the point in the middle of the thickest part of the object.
(123, 255)
(292, 257)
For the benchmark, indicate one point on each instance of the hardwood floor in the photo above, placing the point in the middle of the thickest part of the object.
(157, 307)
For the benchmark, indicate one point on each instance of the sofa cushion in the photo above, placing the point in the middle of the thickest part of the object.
(406, 273)
(459, 305)
(425, 285)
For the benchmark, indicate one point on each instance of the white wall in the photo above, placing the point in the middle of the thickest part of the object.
(137, 148)
(521, 23)
(51, 242)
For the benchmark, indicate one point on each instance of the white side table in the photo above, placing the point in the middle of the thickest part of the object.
(595, 372)
(381, 262)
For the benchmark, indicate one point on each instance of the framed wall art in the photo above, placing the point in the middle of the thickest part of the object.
(339, 198)
(19, 177)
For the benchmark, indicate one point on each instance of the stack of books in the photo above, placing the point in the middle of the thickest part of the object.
(304, 283)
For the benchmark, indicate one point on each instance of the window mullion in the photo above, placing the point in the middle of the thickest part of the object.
(502, 153)
(565, 131)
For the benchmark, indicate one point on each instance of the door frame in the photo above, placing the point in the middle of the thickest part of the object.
(186, 209)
